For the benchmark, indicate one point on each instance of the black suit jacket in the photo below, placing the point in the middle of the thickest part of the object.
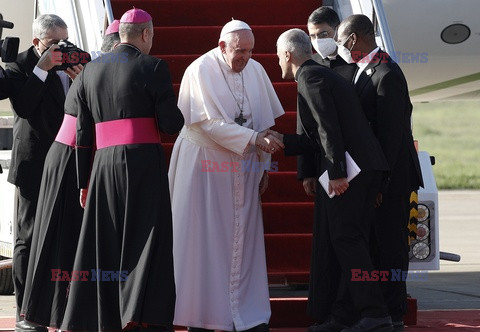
(306, 163)
(5, 85)
(338, 65)
(332, 122)
(38, 108)
(383, 93)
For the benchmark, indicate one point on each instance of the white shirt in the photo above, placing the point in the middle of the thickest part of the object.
(42, 75)
(364, 62)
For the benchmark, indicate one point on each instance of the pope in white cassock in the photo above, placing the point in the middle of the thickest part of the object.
(217, 173)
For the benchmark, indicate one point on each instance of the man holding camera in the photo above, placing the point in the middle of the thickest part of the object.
(37, 97)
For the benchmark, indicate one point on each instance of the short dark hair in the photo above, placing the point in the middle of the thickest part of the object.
(324, 15)
(360, 25)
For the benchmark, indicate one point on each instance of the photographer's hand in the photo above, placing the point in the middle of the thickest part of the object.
(50, 58)
(74, 71)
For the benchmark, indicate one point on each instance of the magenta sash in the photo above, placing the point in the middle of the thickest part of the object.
(66, 134)
(126, 131)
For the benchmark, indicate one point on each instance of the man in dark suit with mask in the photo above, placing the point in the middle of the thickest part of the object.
(322, 28)
(333, 124)
(383, 93)
(37, 97)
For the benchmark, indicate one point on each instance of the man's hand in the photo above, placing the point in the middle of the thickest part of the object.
(263, 183)
(74, 71)
(50, 58)
(338, 186)
(268, 143)
(309, 184)
(379, 200)
(275, 134)
(83, 197)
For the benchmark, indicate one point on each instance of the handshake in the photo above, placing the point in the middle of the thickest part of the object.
(269, 141)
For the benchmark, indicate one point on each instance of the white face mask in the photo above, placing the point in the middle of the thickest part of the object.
(344, 52)
(324, 46)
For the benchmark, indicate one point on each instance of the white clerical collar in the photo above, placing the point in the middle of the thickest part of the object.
(367, 59)
(364, 62)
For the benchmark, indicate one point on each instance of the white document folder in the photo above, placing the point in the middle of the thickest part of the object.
(352, 171)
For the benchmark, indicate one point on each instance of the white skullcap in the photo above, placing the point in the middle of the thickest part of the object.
(234, 25)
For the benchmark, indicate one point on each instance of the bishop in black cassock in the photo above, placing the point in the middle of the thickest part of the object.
(125, 242)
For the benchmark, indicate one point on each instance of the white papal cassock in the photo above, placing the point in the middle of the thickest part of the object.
(215, 171)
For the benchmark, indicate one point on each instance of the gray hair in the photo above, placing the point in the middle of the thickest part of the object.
(109, 41)
(295, 41)
(45, 23)
(133, 30)
(229, 37)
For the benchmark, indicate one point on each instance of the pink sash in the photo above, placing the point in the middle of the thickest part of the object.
(66, 134)
(126, 131)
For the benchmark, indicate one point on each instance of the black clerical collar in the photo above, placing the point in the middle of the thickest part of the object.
(130, 45)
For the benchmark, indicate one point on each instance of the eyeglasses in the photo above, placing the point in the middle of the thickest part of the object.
(49, 43)
(339, 43)
(323, 34)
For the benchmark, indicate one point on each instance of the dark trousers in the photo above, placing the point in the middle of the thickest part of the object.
(340, 244)
(390, 249)
(25, 208)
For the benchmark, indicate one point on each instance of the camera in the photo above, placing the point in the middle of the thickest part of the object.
(9, 45)
(8, 53)
(71, 55)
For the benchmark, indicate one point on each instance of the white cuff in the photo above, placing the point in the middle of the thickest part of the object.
(41, 74)
(253, 139)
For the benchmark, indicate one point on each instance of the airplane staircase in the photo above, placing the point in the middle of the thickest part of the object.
(185, 29)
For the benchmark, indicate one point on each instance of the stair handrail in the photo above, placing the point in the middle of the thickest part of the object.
(108, 10)
(383, 27)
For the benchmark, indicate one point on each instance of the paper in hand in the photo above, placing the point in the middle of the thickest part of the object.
(352, 171)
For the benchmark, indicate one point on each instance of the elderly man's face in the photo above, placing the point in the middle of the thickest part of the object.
(239, 51)
(52, 37)
(284, 64)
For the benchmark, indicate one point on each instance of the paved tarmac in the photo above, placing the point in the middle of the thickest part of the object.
(456, 285)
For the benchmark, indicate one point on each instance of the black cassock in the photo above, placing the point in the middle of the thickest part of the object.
(124, 256)
(54, 242)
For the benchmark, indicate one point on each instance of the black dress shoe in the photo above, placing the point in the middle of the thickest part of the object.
(398, 326)
(368, 324)
(330, 325)
(26, 326)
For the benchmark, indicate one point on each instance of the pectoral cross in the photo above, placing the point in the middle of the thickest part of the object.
(240, 119)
